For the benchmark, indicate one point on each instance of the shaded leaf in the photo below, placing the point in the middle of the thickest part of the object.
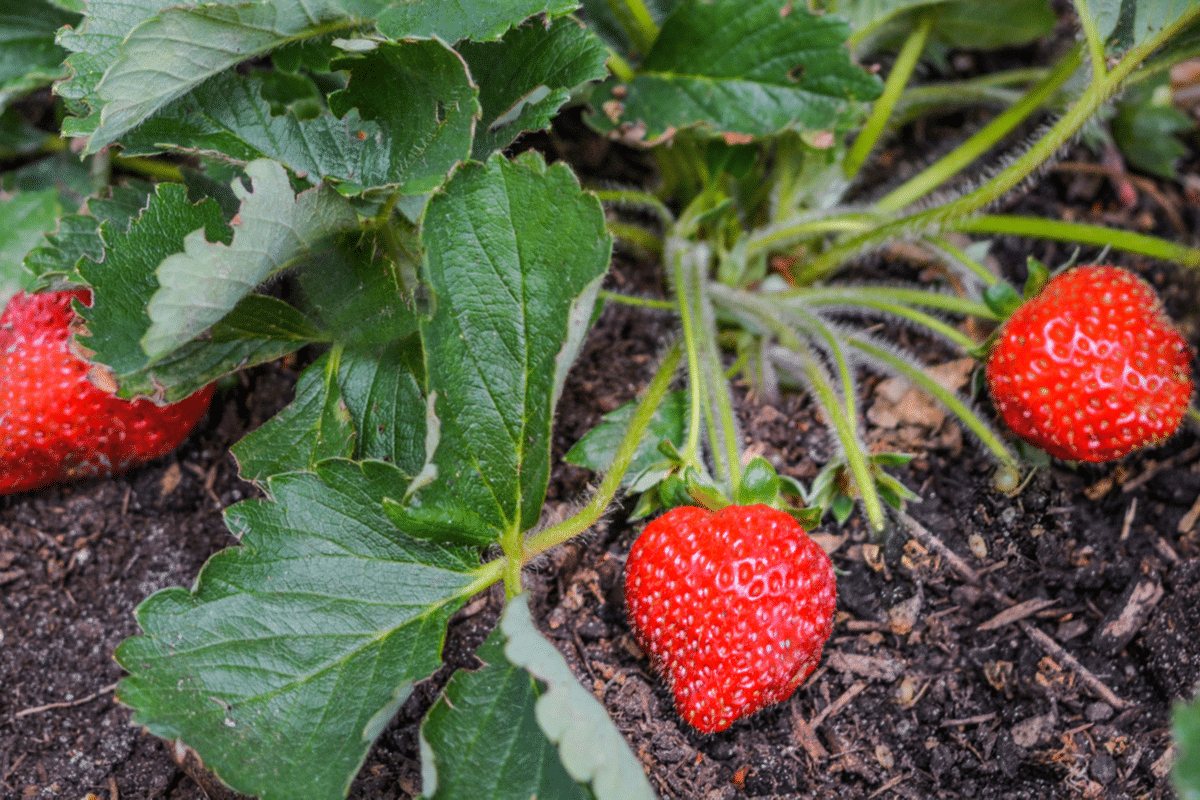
(313, 427)
(452, 20)
(382, 392)
(125, 279)
(179, 48)
(482, 740)
(739, 66)
(25, 218)
(425, 107)
(294, 650)
(29, 57)
(589, 745)
(525, 78)
(514, 256)
(274, 227)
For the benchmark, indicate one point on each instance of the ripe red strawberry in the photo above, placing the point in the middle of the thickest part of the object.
(1091, 369)
(733, 607)
(55, 424)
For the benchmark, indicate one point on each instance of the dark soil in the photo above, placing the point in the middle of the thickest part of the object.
(1041, 663)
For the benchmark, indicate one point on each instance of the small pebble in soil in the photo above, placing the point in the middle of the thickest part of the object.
(1098, 712)
(1103, 768)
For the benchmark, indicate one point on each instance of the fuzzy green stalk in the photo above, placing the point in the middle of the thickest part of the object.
(844, 413)
(927, 321)
(939, 172)
(636, 199)
(833, 346)
(952, 252)
(636, 21)
(639, 302)
(402, 263)
(1091, 35)
(893, 88)
(1083, 233)
(855, 457)
(620, 67)
(713, 388)
(149, 167)
(1066, 128)
(918, 377)
(991, 89)
(787, 233)
(691, 450)
(638, 425)
(861, 295)
(639, 237)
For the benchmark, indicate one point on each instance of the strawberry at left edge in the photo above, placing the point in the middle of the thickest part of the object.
(55, 424)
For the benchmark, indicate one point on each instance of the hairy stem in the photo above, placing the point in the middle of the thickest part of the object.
(651, 399)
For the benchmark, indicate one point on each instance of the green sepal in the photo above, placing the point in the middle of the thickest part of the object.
(703, 491)
(809, 518)
(673, 491)
(1039, 275)
(842, 506)
(760, 484)
(1001, 298)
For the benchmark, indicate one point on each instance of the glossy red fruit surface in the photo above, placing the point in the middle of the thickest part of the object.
(733, 607)
(56, 425)
(1091, 368)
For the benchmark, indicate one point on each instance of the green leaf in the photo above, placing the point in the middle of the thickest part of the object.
(25, 218)
(275, 227)
(257, 316)
(992, 25)
(313, 427)
(29, 57)
(125, 278)
(293, 651)
(1185, 724)
(169, 54)
(452, 20)
(77, 236)
(382, 392)
(739, 66)
(514, 257)
(866, 15)
(598, 447)
(1146, 128)
(1127, 23)
(526, 78)
(589, 745)
(481, 739)
(760, 483)
(419, 95)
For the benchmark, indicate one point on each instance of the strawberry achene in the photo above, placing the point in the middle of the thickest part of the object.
(1091, 368)
(56, 423)
(733, 607)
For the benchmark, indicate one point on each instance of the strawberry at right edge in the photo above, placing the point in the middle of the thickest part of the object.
(1091, 368)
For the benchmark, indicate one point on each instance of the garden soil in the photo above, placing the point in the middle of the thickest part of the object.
(1023, 645)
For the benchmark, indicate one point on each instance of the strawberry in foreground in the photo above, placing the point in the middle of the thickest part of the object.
(733, 607)
(55, 424)
(1091, 368)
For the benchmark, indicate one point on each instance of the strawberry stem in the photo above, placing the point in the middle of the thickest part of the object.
(638, 424)
(1083, 233)
(893, 88)
(942, 217)
(942, 170)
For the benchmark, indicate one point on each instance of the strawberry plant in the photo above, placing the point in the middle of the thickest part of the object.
(233, 182)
